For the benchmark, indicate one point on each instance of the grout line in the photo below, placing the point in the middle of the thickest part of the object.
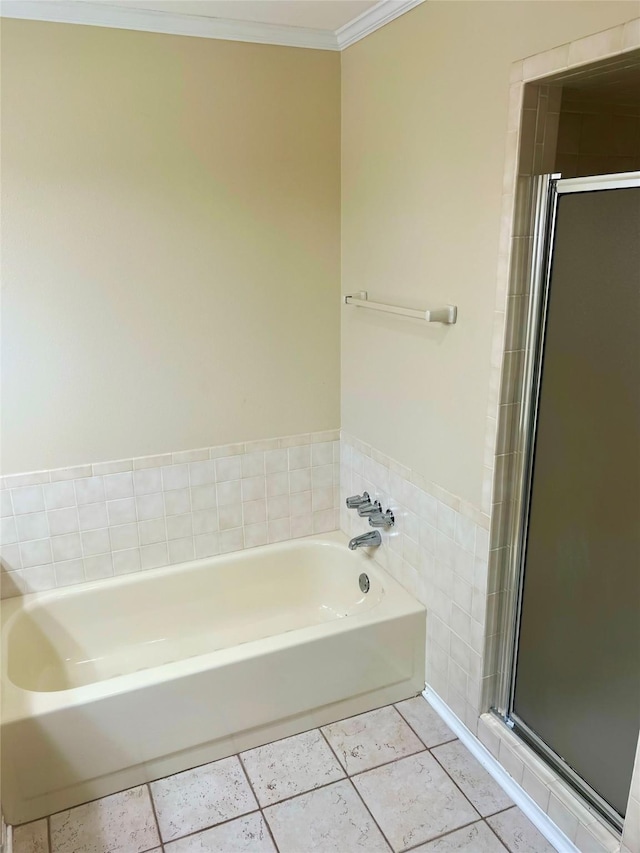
(370, 813)
(500, 811)
(155, 813)
(264, 817)
(208, 827)
(442, 835)
(504, 843)
(358, 794)
(473, 806)
(433, 746)
(49, 841)
(387, 763)
(271, 835)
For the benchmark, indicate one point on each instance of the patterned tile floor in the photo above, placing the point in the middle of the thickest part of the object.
(393, 779)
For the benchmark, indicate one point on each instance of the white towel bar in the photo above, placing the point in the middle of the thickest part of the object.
(448, 314)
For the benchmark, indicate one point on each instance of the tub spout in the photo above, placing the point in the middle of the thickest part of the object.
(366, 540)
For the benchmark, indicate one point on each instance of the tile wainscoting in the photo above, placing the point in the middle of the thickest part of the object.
(438, 550)
(73, 525)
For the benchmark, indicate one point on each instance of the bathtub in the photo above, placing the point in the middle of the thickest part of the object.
(122, 681)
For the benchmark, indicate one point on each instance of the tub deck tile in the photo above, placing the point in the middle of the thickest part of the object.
(291, 766)
(200, 798)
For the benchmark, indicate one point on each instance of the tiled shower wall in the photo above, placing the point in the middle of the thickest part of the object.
(72, 525)
(437, 550)
(597, 136)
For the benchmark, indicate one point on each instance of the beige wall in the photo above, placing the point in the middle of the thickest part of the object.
(171, 243)
(424, 121)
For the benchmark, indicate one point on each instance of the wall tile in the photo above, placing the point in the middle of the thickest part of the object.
(92, 516)
(151, 531)
(63, 521)
(119, 485)
(59, 495)
(124, 536)
(123, 511)
(138, 514)
(202, 473)
(27, 499)
(98, 567)
(229, 468)
(90, 490)
(177, 476)
(253, 465)
(126, 562)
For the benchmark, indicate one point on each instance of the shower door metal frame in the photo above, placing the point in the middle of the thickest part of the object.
(546, 190)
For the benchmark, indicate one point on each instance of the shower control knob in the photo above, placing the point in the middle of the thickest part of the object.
(369, 508)
(357, 500)
(382, 519)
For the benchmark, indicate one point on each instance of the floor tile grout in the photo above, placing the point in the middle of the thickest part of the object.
(358, 794)
(442, 835)
(435, 758)
(422, 740)
(208, 827)
(491, 829)
(387, 763)
(260, 807)
(155, 814)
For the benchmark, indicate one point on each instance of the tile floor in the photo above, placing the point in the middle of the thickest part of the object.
(393, 779)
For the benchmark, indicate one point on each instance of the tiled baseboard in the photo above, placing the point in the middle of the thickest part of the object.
(583, 828)
(513, 788)
(72, 525)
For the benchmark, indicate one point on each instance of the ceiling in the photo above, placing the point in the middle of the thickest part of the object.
(319, 24)
(314, 14)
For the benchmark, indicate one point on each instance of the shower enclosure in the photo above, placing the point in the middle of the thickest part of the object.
(572, 680)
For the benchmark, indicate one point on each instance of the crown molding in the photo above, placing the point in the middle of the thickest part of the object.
(199, 26)
(368, 22)
(147, 20)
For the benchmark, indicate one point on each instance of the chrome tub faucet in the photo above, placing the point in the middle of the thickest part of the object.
(370, 539)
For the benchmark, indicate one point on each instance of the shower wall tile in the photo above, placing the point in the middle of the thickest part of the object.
(597, 136)
(77, 524)
(437, 550)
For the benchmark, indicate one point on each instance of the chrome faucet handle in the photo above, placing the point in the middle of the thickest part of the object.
(382, 519)
(357, 500)
(369, 508)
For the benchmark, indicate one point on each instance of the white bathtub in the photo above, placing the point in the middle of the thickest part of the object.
(119, 682)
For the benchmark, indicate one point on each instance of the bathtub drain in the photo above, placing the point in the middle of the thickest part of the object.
(363, 580)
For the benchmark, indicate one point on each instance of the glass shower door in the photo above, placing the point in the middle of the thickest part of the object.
(576, 688)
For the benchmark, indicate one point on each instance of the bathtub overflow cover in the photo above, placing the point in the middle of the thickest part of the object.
(363, 580)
